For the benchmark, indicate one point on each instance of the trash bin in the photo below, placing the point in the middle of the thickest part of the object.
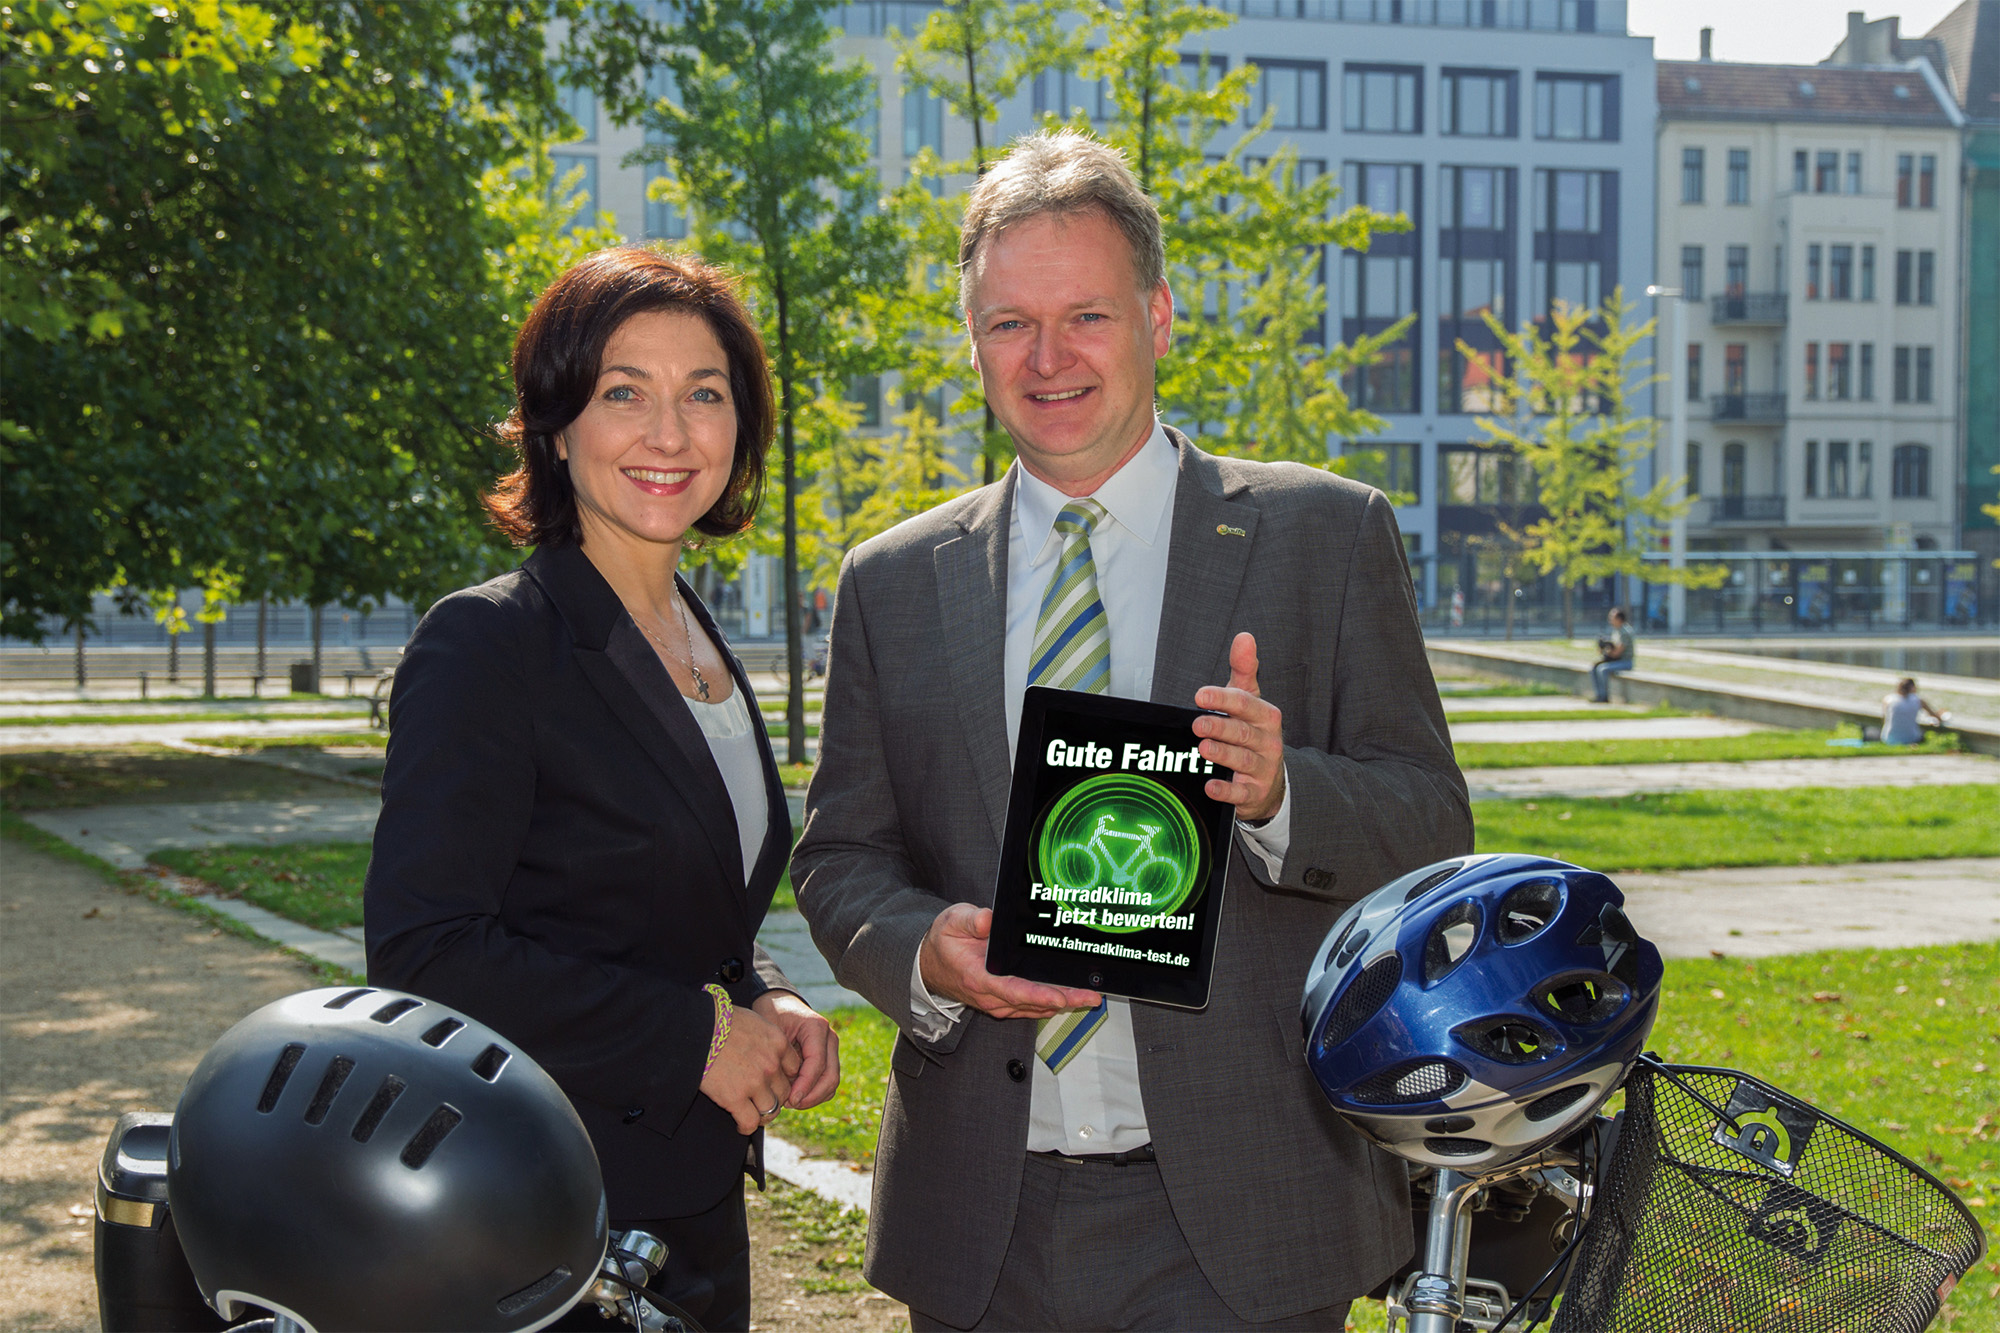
(305, 680)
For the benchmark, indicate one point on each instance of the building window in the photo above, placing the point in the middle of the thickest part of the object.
(1906, 180)
(1691, 175)
(1812, 272)
(1735, 373)
(1867, 272)
(1922, 391)
(1840, 273)
(1691, 264)
(1381, 99)
(1900, 386)
(1478, 103)
(1379, 287)
(664, 222)
(1910, 472)
(1694, 471)
(1826, 173)
(576, 174)
(1739, 175)
(1864, 470)
(1800, 167)
(923, 121)
(1470, 476)
(1294, 92)
(1736, 270)
(1476, 249)
(1576, 239)
(1694, 373)
(1926, 277)
(1812, 469)
(1838, 381)
(1927, 181)
(865, 392)
(1836, 469)
(1867, 386)
(1734, 467)
(1905, 275)
(1389, 468)
(579, 103)
(1576, 106)
(1812, 370)
(1854, 173)
(1065, 93)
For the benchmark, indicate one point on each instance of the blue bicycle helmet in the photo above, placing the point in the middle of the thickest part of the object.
(1475, 1011)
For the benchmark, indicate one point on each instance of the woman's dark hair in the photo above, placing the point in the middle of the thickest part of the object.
(556, 361)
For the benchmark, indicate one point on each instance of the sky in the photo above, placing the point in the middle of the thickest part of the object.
(1780, 32)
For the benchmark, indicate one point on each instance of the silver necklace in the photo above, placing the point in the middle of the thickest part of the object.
(700, 685)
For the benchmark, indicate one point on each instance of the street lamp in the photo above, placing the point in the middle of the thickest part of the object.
(1676, 452)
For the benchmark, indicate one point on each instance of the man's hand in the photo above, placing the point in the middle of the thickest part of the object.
(953, 963)
(814, 1039)
(1249, 741)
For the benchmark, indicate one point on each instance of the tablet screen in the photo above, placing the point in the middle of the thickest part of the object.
(1112, 868)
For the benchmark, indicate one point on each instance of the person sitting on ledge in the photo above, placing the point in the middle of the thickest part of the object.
(1615, 653)
(1903, 712)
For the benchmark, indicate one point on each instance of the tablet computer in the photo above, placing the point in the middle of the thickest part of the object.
(1114, 858)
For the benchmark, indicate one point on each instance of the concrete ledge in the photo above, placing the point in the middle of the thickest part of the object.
(1774, 707)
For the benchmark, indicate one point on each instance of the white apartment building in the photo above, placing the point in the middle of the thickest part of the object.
(1811, 215)
(1517, 135)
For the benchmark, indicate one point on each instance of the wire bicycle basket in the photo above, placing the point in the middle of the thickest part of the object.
(1729, 1206)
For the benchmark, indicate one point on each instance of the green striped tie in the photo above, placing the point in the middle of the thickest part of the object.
(1072, 652)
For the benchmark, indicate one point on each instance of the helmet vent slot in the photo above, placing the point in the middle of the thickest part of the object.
(526, 1297)
(1553, 1105)
(341, 1001)
(1352, 949)
(1450, 1124)
(1365, 995)
(441, 1031)
(329, 1088)
(426, 1140)
(281, 1074)
(1341, 939)
(1585, 998)
(1451, 939)
(1410, 1082)
(1431, 881)
(1511, 1041)
(491, 1061)
(395, 1009)
(1458, 1147)
(378, 1106)
(1528, 908)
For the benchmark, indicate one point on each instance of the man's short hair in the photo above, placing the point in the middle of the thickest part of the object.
(1063, 172)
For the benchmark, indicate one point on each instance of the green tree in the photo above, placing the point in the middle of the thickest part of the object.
(1568, 387)
(762, 147)
(256, 310)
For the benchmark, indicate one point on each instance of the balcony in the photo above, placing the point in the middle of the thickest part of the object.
(1766, 308)
(1746, 509)
(1747, 407)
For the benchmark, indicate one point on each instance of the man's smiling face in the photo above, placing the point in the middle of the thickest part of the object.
(1065, 342)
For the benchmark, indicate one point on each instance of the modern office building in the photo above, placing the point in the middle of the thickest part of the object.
(1811, 217)
(1517, 135)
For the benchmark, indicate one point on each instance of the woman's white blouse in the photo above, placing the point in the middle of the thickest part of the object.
(732, 739)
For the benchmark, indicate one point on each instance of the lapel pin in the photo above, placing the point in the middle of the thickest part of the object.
(1224, 530)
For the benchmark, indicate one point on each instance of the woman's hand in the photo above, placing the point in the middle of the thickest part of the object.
(752, 1074)
(814, 1040)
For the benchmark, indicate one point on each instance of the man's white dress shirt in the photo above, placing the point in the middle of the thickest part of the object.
(1095, 1104)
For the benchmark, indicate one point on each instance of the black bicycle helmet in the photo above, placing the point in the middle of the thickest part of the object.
(1473, 1012)
(367, 1160)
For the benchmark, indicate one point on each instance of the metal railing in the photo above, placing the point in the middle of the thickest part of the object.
(1746, 509)
(1747, 407)
(1749, 308)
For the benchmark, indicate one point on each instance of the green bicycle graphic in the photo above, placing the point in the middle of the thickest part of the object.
(1125, 833)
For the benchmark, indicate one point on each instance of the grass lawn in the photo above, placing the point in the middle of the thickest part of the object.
(1799, 826)
(210, 715)
(795, 776)
(1490, 689)
(845, 1127)
(1706, 749)
(1568, 715)
(374, 739)
(316, 883)
(145, 775)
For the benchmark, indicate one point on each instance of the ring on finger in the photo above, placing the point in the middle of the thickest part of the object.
(766, 1115)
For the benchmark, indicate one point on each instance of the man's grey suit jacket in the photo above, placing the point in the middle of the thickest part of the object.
(1285, 1207)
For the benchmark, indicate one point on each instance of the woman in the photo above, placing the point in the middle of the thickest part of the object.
(1614, 653)
(1903, 713)
(582, 823)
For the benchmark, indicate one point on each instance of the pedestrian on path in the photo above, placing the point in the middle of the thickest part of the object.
(1615, 652)
(582, 823)
(1903, 713)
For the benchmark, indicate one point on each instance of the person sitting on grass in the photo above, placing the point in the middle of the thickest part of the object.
(1902, 714)
(1615, 653)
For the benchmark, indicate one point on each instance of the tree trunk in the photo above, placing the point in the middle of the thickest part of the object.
(979, 167)
(1569, 610)
(795, 661)
(1510, 608)
(208, 659)
(318, 624)
(82, 675)
(263, 613)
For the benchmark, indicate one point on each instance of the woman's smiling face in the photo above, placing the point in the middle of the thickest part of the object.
(653, 451)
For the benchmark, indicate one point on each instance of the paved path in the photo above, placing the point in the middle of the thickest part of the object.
(1930, 770)
(1765, 910)
(93, 736)
(1545, 703)
(1605, 729)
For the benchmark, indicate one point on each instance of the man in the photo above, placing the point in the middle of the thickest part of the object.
(1123, 1165)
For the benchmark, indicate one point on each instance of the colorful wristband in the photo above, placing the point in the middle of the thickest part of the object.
(723, 1012)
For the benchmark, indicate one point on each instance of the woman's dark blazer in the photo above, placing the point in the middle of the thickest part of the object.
(557, 856)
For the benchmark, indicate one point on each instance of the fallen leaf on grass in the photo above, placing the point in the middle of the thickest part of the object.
(93, 912)
(1826, 997)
